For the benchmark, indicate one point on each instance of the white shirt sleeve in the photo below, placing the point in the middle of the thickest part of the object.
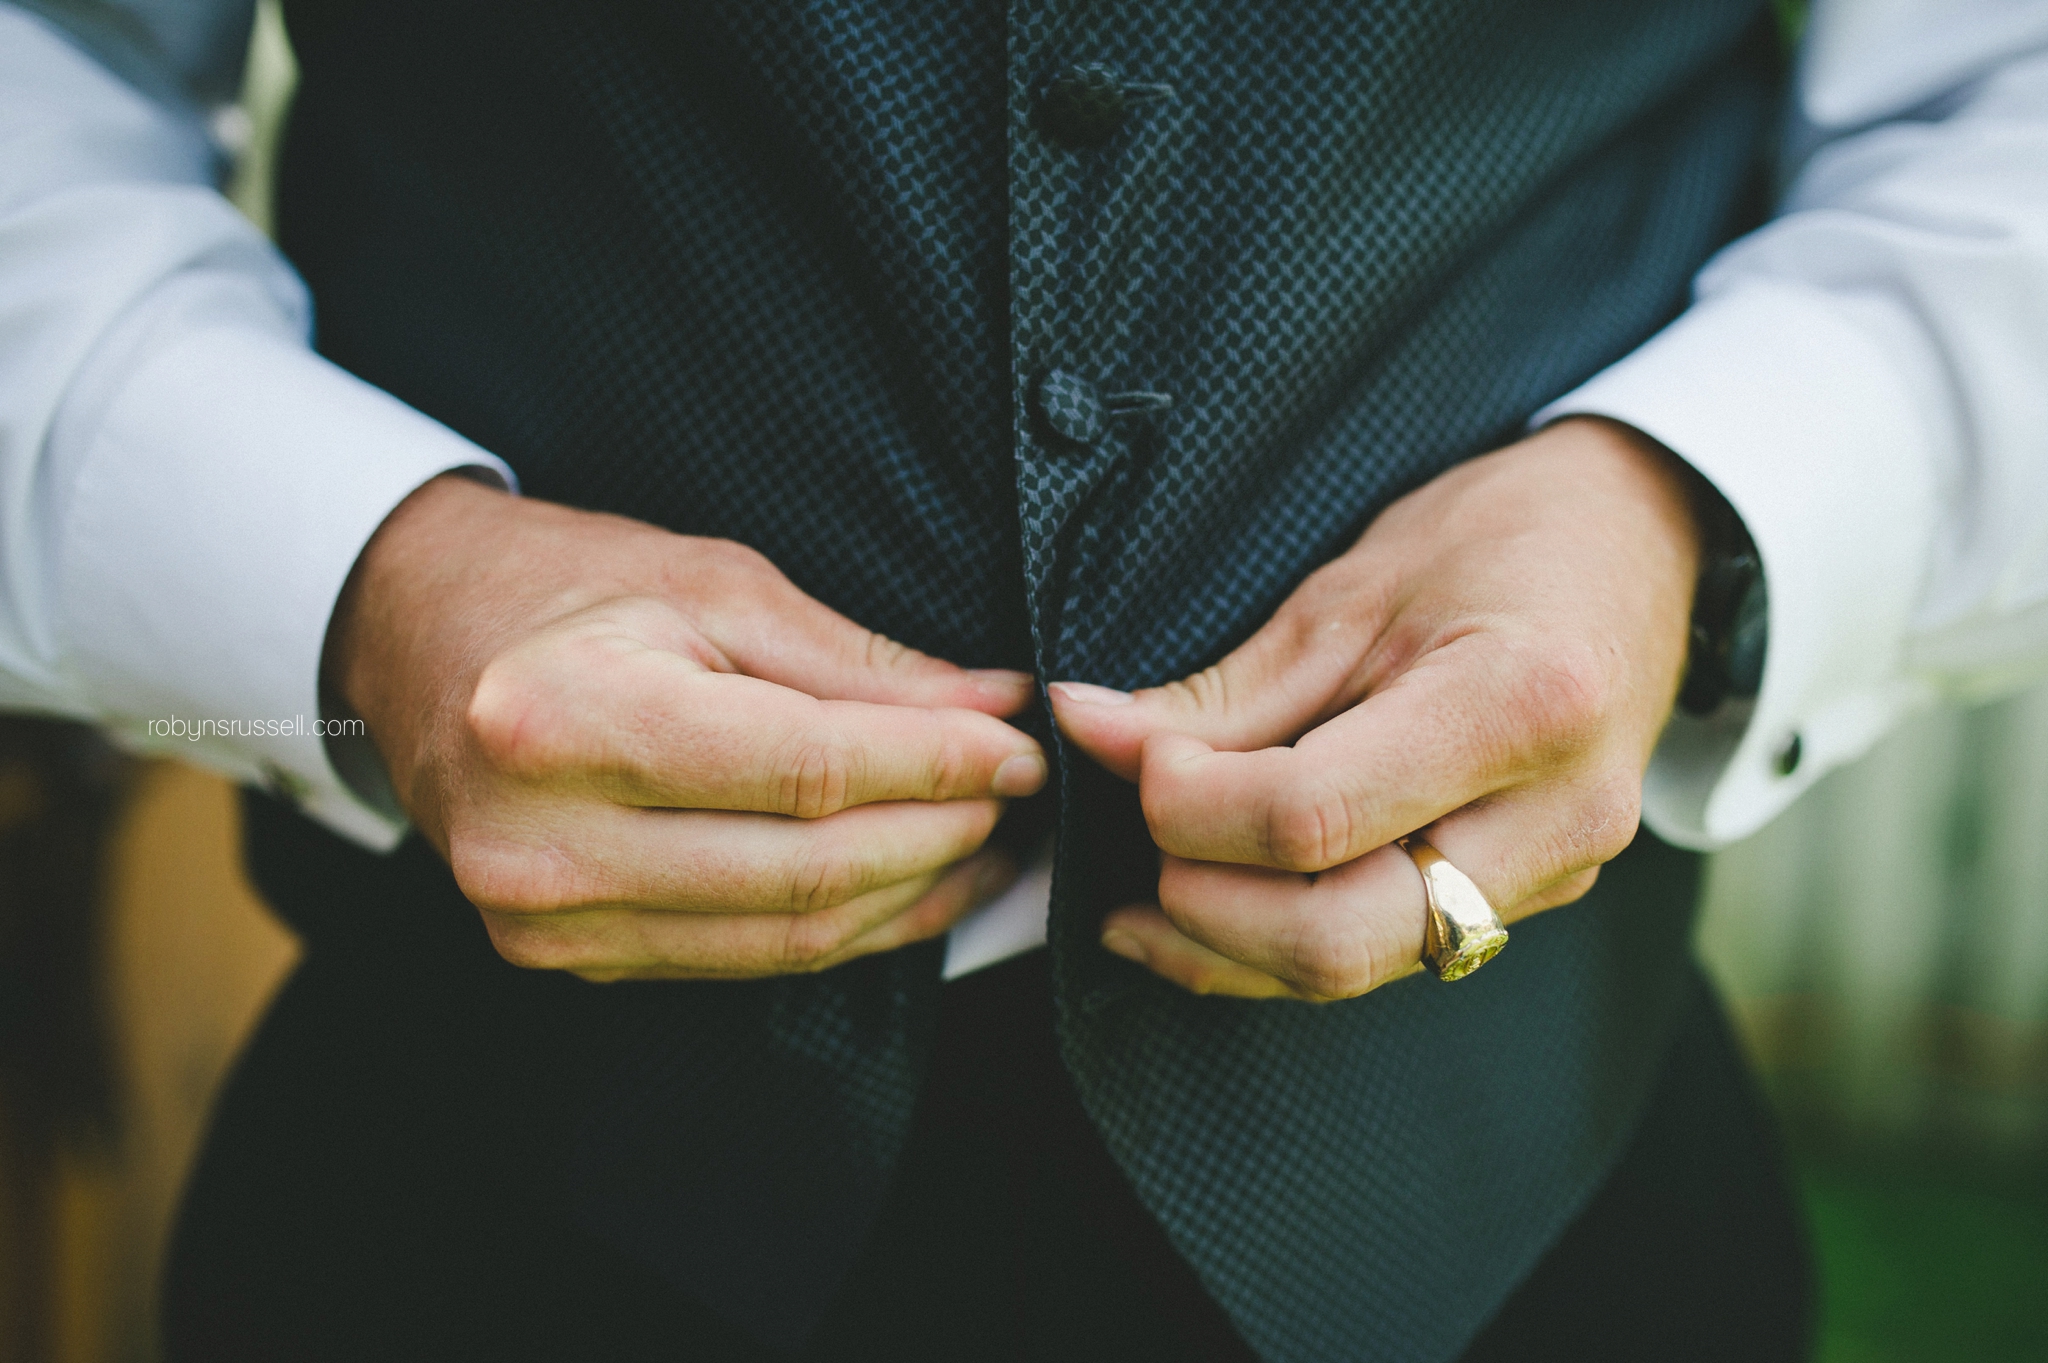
(184, 484)
(1865, 379)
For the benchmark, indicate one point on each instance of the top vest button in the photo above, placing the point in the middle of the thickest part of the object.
(1083, 107)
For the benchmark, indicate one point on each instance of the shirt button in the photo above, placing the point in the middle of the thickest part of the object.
(1067, 405)
(1083, 107)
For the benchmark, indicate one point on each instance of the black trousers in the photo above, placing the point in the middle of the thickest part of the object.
(323, 1224)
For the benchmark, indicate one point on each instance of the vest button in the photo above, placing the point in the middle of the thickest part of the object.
(1067, 405)
(1083, 107)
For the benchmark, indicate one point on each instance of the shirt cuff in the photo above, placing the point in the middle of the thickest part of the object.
(1811, 430)
(219, 502)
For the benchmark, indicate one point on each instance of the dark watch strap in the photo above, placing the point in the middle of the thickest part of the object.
(1731, 615)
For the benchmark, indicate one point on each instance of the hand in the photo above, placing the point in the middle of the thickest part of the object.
(647, 755)
(1491, 662)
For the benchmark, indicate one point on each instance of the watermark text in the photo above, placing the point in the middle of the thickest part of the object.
(298, 726)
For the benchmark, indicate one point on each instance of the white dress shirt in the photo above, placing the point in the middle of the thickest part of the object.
(184, 485)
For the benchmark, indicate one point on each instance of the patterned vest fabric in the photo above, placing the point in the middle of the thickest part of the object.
(837, 281)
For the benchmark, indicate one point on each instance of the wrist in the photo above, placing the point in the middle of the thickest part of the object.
(392, 606)
(1729, 613)
(1679, 499)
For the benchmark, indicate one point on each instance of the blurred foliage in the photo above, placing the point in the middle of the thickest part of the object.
(1791, 16)
(1930, 1263)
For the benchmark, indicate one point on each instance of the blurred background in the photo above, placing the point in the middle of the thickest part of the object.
(1884, 948)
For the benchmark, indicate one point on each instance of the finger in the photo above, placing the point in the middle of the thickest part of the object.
(960, 892)
(1566, 890)
(1536, 848)
(707, 945)
(1141, 933)
(1348, 930)
(1300, 668)
(712, 862)
(714, 948)
(661, 730)
(1331, 936)
(772, 630)
(1454, 728)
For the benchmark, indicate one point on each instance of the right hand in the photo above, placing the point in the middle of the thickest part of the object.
(648, 755)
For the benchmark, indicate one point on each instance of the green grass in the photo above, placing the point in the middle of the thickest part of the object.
(1925, 1266)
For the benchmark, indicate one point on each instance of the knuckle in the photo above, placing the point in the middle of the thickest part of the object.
(1564, 697)
(730, 556)
(509, 721)
(1612, 815)
(1598, 824)
(1207, 690)
(809, 943)
(721, 569)
(1339, 591)
(1310, 829)
(521, 944)
(1330, 962)
(507, 879)
(816, 776)
(951, 767)
(827, 875)
(880, 653)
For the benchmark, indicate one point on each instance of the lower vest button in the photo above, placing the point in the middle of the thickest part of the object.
(1067, 406)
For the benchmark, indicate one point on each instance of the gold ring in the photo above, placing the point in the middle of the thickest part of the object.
(1461, 932)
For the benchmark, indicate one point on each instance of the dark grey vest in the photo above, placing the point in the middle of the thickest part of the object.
(797, 275)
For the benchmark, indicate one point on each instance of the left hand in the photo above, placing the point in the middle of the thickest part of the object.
(1491, 663)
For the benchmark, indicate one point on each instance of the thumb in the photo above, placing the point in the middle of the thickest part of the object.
(1268, 692)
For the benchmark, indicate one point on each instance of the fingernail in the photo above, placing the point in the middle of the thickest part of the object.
(1018, 776)
(1087, 693)
(1124, 945)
